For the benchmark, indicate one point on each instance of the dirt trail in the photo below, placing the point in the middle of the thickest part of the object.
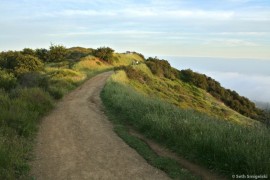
(76, 141)
(200, 171)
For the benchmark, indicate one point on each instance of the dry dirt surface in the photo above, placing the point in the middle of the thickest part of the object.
(76, 141)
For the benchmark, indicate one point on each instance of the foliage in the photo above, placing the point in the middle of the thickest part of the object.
(7, 80)
(27, 63)
(19, 63)
(230, 98)
(161, 68)
(42, 54)
(219, 145)
(104, 53)
(57, 53)
(26, 94)
(76, 53)
(20, 112)
(136, 74)
(33, 79)
(28, 51)
(8, 59)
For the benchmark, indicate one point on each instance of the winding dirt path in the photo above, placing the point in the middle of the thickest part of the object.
(76, 141)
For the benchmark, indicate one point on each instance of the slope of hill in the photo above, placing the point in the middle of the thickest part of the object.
(181, 94)
(238, 145)
(30, 82)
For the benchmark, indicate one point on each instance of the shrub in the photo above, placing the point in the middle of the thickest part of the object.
(42, 54)
(57, 53)
(56, 93)
(27, 63)
(8, 59)
(137, 75)
(28, 51)
(104, 53)
(7, 80)
(34, 79)
(161, 68)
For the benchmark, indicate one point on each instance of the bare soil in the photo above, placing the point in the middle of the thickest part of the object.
(76, 141)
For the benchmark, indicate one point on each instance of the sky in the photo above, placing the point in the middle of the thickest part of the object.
(191, 28)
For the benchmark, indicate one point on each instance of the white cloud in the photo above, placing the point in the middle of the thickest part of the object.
(244, 33)
(120, 33)
(85, 13)
(174, 14)
(146, 13)
(231, 42)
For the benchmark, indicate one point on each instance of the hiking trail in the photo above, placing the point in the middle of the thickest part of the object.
(77, 141)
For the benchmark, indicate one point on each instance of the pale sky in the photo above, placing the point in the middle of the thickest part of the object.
(197, 28)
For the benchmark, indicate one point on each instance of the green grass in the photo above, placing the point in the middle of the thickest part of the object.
(170, 166)
(126, 59)
(22, 108)
(20, 114)
(186, 96)
(217, 144)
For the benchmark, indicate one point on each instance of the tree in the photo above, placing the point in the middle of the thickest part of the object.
(27, 63)
(57, 53)
(104, 53)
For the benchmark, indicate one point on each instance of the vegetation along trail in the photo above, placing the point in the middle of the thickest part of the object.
(76, 141)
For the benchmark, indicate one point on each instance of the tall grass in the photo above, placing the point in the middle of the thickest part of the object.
(20, 111)
(219, 145)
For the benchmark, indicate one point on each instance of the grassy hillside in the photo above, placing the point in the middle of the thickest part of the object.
(30, 83)
(179, 93)
(225, 146)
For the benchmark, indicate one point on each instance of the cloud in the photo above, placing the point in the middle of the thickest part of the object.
(129, 33)
(70, 12)
(230, 42)
(243, 33)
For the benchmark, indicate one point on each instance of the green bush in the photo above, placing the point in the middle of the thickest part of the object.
(57, 53)
(26, 64)
(7, 80)
(56, 93)
(22, 108)
(42, 54)
(28, 51)
(20, 114)
(137, 74)
(34, 79)
(161, 68)
(8, 59)
(104, 53)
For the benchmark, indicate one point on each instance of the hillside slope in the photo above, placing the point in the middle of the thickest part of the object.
(179, 93)
(229, 145)
(30, 83)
